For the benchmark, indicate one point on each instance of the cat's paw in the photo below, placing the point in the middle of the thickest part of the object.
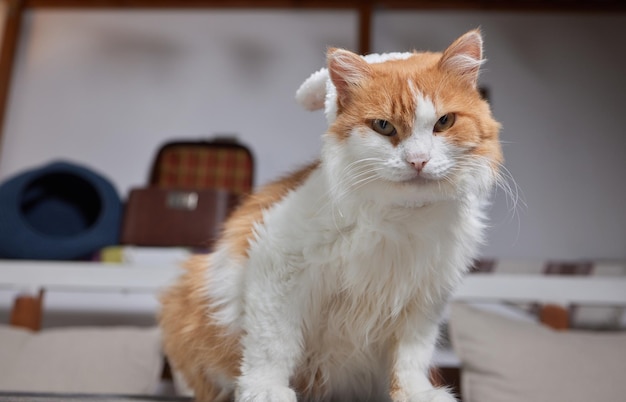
(433, 395)
(266, 394)
(439, 395)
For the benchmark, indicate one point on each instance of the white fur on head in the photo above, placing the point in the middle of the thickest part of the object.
(318, 91)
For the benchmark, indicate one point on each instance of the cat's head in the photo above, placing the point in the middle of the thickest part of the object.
(413, 128)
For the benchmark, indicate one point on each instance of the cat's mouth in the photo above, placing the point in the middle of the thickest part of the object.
(418, 180)
(412, 179)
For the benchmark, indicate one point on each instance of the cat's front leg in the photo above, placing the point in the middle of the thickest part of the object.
(265, 381)
(265, 393)
(272, 344)
(271, 348)
(410, 380)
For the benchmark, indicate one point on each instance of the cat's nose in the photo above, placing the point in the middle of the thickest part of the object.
(418, 162)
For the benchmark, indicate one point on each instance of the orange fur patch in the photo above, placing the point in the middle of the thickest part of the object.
(238, 229)
(194, 343)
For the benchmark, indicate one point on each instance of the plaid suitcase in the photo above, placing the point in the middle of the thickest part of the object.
(219, 164)
(215, 175)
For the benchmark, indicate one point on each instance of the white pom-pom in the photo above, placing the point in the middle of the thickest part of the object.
(312, 92)
(318, 91)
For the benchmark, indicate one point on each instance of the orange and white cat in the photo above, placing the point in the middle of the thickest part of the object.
(328, 285)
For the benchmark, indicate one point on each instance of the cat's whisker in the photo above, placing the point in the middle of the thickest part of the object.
(353, 186)
(503, 180)
(506, 182)
(370, 174)
(356, 168)
(361, 161)
(339, 230)
(365, 173)
(367, 165)
(348, 171)
(448, 180)
(364, 182)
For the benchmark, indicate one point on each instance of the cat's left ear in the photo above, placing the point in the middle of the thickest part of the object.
(464, 57)
(347, 70)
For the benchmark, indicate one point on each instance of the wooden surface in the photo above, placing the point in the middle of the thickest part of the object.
(37, 397)
(30, 276)
(555, 317)
(24, 275)
(10, 39)
(27, 311)
(554, 291)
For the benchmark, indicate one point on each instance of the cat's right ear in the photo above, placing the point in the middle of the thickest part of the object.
(347, 70)
(464, 57)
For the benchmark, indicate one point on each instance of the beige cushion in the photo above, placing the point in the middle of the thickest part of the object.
(507, 360)
(81, 360)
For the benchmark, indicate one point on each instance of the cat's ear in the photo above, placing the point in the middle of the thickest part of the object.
(347, 70)
(464, 57)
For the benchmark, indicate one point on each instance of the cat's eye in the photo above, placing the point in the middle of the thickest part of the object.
(445, 122)
(383, 127)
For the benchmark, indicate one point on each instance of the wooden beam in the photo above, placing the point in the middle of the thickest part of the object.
(365, 27)
(490, 5)
(164, 4)
(509, 5)
(10, 36)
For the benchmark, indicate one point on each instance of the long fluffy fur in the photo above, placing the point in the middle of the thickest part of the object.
(328, 284)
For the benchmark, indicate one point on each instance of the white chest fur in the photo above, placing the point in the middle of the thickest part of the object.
(366, 248)
(350, 276)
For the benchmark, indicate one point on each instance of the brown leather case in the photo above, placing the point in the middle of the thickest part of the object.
(162, 217)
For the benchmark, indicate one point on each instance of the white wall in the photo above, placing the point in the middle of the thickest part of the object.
(558, 86)
(106, 88)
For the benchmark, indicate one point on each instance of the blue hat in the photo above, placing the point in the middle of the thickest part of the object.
(59, 211)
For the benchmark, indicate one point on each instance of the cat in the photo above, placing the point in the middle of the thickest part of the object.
(329, 284)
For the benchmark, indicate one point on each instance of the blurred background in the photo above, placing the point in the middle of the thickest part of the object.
(106, 87)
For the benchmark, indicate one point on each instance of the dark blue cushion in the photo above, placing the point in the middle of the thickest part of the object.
(59, 211)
